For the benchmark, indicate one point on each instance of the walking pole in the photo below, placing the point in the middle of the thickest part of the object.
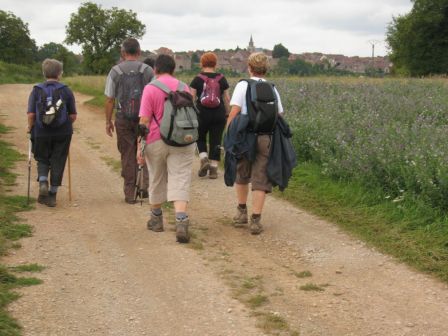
(29, 172)
(69, 179)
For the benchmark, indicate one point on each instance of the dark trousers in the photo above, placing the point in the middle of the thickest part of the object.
(51, 153)
(213, 124)
(127, 145)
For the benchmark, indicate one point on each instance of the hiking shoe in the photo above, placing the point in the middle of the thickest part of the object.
(155, 223)
(51, 200)
(255, 226)
(205, 165)
(182, 235)
(43, 192)
(240, 219)
(130, 200)
(213, 173)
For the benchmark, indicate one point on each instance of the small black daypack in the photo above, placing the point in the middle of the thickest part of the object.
(262, 106)
(51, 106)
(128, 93)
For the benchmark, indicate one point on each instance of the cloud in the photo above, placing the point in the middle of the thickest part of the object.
(301, 25)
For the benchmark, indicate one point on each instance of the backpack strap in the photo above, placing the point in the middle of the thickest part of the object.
(203, 77)
(142, 68)
(117, 69)
(218, 77)
(43, 88)
(41, 96)
(249, 82)
(181, 86)
(161, 86)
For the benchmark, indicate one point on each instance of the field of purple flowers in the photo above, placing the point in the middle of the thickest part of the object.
(390, 134)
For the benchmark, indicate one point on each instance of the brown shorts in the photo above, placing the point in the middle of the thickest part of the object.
(255, 172)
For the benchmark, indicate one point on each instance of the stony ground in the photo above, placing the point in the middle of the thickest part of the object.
(106, 274)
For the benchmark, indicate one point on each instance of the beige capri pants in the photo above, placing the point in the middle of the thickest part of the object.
(170, 171)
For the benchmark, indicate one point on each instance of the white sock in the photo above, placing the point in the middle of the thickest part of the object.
(214, 163)
(203, 155)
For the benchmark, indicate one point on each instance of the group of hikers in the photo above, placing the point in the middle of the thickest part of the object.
(159, 121)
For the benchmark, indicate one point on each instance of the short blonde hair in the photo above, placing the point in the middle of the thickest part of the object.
(51, 68)
(258, 63)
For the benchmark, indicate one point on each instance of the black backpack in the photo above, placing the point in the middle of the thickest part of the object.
(262, 106)
(128, 92)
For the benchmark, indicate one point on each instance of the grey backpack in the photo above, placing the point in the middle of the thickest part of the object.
(179, 125)
(129, 89)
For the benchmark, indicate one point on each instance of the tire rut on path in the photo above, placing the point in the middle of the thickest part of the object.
(107, 275)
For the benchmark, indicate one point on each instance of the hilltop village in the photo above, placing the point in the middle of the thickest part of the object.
(236, 60)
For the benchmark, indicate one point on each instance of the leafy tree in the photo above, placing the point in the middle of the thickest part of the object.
(61, 53)
(301, 68)
(100, 32)
(194, 59)
(16, 45)
(280, 51)
(418, 40)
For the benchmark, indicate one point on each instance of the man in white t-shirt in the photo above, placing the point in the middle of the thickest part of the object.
(252, 172)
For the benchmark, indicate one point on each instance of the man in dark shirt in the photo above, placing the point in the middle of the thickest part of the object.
(126, 127)
(51, 113)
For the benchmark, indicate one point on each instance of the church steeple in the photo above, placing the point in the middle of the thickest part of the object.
(251, 46)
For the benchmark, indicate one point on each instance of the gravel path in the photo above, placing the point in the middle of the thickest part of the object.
(108, 275)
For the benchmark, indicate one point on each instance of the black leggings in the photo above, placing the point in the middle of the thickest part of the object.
(213, 124)
(51, 154)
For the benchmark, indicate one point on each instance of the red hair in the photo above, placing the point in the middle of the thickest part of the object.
(209, 60)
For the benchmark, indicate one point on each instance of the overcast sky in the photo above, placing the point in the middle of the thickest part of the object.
(328, 26)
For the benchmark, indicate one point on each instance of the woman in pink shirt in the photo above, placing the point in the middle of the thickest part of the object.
(170, 167)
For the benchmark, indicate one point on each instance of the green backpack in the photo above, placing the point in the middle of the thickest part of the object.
(179, 125)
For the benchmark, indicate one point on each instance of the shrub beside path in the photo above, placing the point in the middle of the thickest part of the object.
(108, 275)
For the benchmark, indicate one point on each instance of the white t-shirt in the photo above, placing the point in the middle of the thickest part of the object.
(239, 96)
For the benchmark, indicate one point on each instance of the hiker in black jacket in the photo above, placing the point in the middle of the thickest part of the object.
(254, 171)
(282, 158)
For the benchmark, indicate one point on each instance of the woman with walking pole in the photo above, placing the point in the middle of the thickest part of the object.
(51, 113)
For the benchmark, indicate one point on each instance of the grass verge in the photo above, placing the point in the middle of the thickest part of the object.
(10, 231)
(408, 230)
(15, 73)
(89, 85)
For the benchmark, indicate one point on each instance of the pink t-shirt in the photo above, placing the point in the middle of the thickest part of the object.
(153, 100)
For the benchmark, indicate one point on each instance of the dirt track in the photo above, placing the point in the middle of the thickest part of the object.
(108, 275)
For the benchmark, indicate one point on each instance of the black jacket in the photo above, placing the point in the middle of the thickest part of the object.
(282, 157)
(238, 143)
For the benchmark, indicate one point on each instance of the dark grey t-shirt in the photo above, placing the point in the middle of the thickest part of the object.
(126, 67)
